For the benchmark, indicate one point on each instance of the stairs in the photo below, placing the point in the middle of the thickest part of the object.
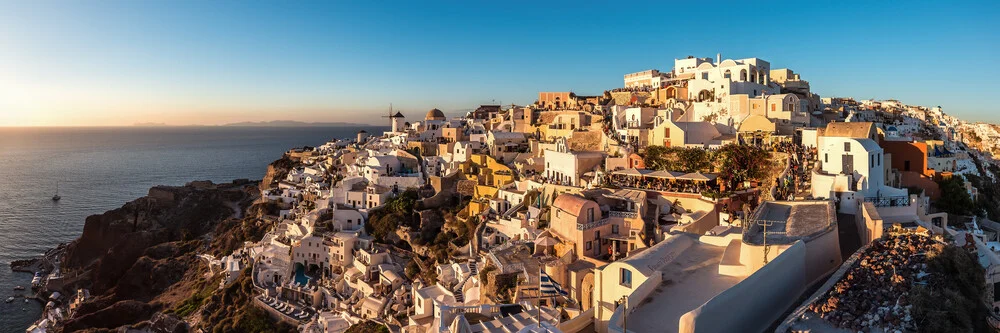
(473, 271)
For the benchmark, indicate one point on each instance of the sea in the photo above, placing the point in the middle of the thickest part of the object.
(97, 169)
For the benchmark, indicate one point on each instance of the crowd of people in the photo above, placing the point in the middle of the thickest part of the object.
(635, 89)
(660, 184)
(799, 174)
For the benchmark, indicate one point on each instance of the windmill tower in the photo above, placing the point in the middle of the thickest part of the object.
(396, 120)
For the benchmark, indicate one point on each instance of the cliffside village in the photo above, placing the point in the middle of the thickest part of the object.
(556, 216)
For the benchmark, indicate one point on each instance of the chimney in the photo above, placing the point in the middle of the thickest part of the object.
(718, 58)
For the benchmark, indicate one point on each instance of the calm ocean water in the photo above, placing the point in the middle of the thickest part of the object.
(99, 169)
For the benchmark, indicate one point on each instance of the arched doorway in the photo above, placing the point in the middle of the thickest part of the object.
(705, 95)
(587, 292)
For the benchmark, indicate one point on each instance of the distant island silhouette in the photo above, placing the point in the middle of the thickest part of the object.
(272, 123)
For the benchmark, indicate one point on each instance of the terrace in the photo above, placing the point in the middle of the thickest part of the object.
(291, 311)
(788, 221)
(664, 181)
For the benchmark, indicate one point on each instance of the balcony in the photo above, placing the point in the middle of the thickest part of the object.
(622, 214)
(591, 225)
(896, 201)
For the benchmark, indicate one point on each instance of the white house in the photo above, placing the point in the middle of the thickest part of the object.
(567, 167)
(851, 169)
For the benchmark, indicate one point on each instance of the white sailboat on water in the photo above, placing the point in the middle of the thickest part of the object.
(56, 197)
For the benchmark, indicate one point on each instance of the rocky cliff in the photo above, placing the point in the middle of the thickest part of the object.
(140, 261)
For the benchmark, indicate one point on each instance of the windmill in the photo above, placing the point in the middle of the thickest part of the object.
(390, 116)
(396, 126)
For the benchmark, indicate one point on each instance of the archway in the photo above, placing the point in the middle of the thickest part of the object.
(587, 292)
(705, 95)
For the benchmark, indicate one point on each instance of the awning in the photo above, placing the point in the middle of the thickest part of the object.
(631, 172)
(698, 176)
(622, 238)
(664, 174)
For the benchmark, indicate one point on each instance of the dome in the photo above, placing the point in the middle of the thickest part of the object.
(434, 114)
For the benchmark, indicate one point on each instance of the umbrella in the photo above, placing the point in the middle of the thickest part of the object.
(664, 174)
(546, 241)
(629, 172)
(542, 244)
(698, 176)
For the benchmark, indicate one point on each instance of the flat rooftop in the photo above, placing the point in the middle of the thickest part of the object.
(519, 255)
(789, 221)
(688, 282)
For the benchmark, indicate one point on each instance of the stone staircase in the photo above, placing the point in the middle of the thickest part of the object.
(473, 271)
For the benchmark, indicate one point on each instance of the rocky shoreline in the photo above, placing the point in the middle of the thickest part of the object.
(45, 264)
(133, 266)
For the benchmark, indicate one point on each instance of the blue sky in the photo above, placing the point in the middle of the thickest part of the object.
(210, 62)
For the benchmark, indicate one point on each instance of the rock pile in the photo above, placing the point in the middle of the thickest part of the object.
(874, 292)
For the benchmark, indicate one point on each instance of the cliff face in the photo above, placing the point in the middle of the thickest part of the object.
(129, 257)
(276, 171)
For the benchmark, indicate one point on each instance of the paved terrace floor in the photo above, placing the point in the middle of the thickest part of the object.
(688, 282)
(801, 219)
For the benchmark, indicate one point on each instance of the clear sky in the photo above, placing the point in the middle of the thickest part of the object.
(211, 62)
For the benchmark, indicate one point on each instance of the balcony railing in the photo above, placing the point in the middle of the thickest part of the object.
(591, 225)
(628, 215)
(896, 201)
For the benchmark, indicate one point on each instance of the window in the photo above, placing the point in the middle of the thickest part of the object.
(590, 214)
(872, 160)
(590, 245)
(879, 159)
(597, 235)
(774, 107)
(906, 165)
(625, 279)
(847, 146)
(826, 158)
(614, 229)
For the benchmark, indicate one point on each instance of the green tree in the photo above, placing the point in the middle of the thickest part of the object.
(657, 158)
(740, 163)
(951, 301)
(398, 211)
(692, 160)
(954, 198)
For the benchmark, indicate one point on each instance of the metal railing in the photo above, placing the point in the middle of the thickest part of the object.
(752, 226)
(591, 225)
(895, 201)
(628, 215)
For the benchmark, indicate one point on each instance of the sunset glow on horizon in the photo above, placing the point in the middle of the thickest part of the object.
(118, 63)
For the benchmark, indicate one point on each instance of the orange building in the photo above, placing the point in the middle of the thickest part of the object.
(908, 156)
(557, 100)
(909, 159)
